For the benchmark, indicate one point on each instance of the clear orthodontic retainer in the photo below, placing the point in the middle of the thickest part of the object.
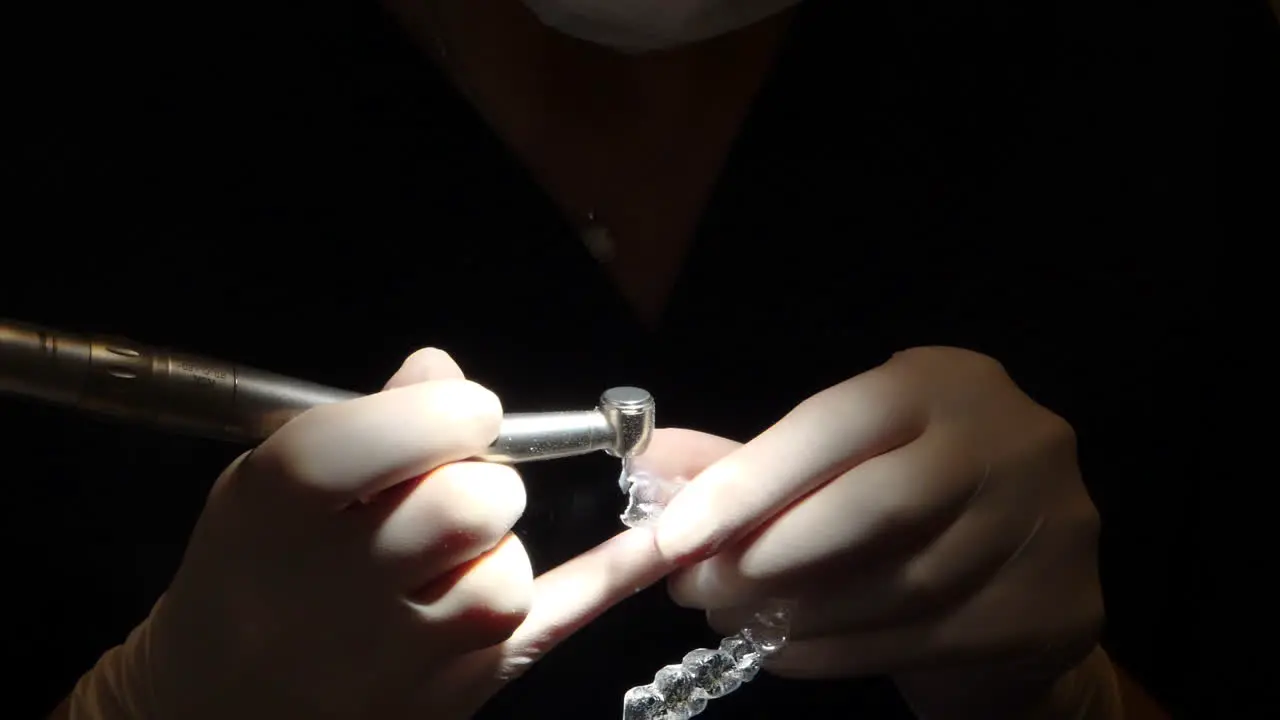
(680, 691)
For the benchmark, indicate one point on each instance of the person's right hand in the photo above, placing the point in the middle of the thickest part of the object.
(356, 566)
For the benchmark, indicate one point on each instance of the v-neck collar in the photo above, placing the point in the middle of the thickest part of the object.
(469, 128)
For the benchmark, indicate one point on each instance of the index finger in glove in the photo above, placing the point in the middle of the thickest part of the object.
(820, 439)
(333, 455)
(676, 452)
(884, 520)
(565, 600)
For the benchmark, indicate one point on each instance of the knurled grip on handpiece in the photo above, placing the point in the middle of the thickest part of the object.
(217, 399)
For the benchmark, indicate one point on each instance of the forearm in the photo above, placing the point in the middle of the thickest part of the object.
(1099, 690)
(1138, 705)
(100, 694)
(1090, 691)
(1093, 690)
(115, 689)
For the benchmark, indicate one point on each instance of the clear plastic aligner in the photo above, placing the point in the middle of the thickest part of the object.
(678, 692)
(647, 495)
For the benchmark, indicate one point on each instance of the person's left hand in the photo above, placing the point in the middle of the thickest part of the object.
(929, 520)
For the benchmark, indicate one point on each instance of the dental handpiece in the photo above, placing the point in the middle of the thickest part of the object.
(220, 400)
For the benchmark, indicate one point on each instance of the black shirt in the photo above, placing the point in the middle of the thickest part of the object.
(301, 190)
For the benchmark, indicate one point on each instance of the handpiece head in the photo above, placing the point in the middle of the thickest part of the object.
(630, 411)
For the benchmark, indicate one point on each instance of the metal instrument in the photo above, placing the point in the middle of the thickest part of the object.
(217, 399)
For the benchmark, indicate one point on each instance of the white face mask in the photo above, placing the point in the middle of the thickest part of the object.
(640, 25)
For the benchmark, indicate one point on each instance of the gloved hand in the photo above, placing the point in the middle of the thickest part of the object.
(354, 566)
(931, 522)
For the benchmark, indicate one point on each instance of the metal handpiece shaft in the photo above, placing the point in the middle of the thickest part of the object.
(546, 436)
(216, 399)
(121, 378)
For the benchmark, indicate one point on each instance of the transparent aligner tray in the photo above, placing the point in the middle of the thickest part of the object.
(680, 691)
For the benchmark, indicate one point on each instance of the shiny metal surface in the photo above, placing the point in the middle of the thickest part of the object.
(622, 426)
(216, 399)
(551, 435)
(631, 411)
(128, 380)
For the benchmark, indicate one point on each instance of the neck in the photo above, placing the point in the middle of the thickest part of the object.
(629, 147)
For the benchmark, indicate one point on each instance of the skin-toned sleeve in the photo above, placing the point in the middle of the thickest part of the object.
(1138, 705)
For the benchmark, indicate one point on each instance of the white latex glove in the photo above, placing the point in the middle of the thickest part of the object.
(931, 522)
(353, 567)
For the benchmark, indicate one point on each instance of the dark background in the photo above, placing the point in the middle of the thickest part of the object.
(1033, 180)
